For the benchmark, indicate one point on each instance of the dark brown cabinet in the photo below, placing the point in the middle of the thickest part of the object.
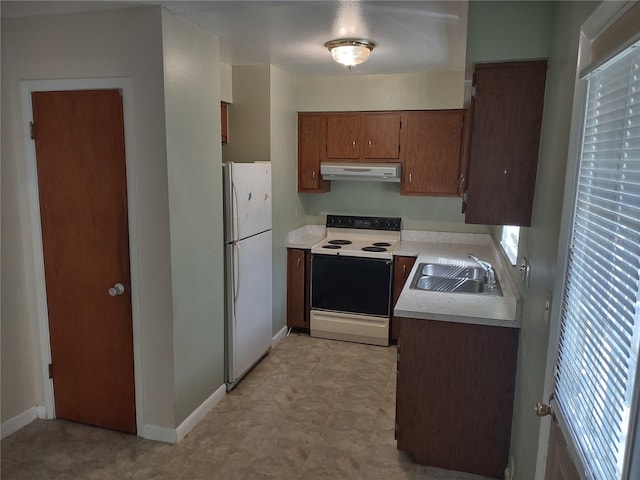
(454, 397)
(401, 268)
(363, 136)
(312, 133)
(503, 157)
(431, 145)
(224, 121)
(431, 152)
(298, 269)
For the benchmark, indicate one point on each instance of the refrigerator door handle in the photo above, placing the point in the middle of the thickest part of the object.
(236, 280)
(235, 221)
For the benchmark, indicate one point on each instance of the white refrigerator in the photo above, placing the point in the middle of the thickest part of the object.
(248, 287)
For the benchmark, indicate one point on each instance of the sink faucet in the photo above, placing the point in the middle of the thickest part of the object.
(488, 268)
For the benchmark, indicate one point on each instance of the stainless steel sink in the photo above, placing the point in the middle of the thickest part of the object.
(437, 277)
(452, 271)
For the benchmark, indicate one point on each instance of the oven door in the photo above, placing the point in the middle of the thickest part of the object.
(351, 284)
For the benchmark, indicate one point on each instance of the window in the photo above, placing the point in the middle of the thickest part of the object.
(509, 242)
(600, 321)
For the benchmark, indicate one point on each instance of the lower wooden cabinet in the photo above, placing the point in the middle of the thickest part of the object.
(298, 283)
(454, 398)
(401, 268)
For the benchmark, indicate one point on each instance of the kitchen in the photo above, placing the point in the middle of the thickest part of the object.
(270, 98)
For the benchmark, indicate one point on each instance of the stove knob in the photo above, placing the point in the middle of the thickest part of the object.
(376, 223)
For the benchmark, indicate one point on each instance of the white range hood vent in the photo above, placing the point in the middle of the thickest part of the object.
(371, 172)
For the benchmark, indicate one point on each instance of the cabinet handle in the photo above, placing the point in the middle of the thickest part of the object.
(298, 262)
(505, 171)
(409, 178)
(370, 144)
(404, 269)
(313, 174)
(354, 144)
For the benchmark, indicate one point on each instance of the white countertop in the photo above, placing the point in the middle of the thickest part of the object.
(448, 248)
(304, 237)
(452, 249)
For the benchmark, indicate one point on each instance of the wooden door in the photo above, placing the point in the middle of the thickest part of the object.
(343, 137)
(559, 463)
(431, 152)
(79, 140)
(381, 135)
(312, 133)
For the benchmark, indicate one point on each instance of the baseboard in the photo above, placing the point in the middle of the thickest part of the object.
(174, 435)
(21, 420)
(278, 337)
(192, 420)
(158, 434)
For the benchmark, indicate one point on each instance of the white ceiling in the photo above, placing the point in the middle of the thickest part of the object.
(411, 36)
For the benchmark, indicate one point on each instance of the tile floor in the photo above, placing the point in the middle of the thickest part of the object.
(312, 409)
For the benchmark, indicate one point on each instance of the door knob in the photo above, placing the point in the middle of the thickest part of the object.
(542, 410)
(117, 289)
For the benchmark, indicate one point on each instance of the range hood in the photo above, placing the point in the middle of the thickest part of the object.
(371, 172)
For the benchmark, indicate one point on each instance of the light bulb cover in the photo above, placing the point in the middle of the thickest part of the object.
(350, 51)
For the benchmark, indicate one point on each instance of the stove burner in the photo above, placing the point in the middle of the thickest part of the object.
(340, 242)
(374, 249)
(333, 247)
(381, 244)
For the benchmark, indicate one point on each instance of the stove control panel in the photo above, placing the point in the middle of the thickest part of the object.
(367, 223)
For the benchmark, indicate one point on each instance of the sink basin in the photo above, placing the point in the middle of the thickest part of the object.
(437, 277)
(452, 271)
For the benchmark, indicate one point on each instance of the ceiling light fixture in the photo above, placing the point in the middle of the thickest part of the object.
(350, 51)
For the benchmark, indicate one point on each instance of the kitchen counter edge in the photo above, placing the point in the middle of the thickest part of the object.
(473, 309)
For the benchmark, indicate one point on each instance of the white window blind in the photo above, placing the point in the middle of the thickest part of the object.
(600, 324)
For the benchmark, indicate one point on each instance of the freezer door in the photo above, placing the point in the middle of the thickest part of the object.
(249, 328)
(247, 199)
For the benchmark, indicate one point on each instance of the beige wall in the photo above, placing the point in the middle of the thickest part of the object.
(287, 208)
(123, 43)
(406, 91)
(249, 128)
(194, 168)
(539, 243)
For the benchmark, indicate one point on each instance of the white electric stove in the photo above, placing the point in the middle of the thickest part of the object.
(351, 273)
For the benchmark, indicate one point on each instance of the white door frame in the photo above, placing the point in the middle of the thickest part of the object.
(598, 21)
(126, 86)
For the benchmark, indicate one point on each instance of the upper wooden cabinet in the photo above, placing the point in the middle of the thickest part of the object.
(428, 143)
(224, 121)
(431, 152)
(312, 138)
(503, 157)
(363, 136)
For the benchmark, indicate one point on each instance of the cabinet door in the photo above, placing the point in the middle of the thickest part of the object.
(507, 117)
(312, 130)
(296, 273)
(401, 268)
(381, 136)
(343, 140)
(431, 144)
(454, 397)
